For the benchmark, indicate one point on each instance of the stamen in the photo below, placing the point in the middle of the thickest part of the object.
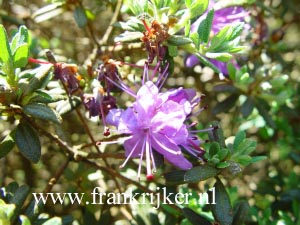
(141, 160)
(165, 148)
(199, 111)
(162, 77)
(152, 158)
(192, 124)
(155, 70)
(130, 154)
(127, 90)
(148, 159)
(204, 130)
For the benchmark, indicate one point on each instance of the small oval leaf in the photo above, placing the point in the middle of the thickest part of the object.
(21, 56)
(42, 111)
(222, 210)
(128, 36)
(28, 142)
(200, 173)
(240, 213)
(239, 137)
(178, 40)
(226, 104)
(7, 144)
(80, 17)
(66, 106)
(19, 199)
(195, 218)
(247, 107)
(40, 79)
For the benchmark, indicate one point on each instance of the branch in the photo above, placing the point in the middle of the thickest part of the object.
(113, 20)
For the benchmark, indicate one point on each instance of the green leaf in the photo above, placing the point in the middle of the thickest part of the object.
(34, 209)
(197, 8)
(6, 211)
(231, 71)
(20, 48)
(19, 39)
(258, 158)
(43, 97)
(40, 79)
(175, 177)
(246, 147)
(205, 26)
(223, 56)
(226, 104)
(220, 38)
(42, 111)
(200, 173)
(217, 134)
(54, 221)
(236, 31)
(138, 7)
(222, 165)
(188, 3)
(222, 153)
(21, 56)
(28, 142)
(195, 38)
(172, 50)
(128, 36)
(66, 106)
(80, 17)
(243, 159)
(214, 149)
(18, 199)
(247, 107)
(239, 138)
(187, 29)
(206, 62)
(227, 40)
(262, 109)
(5, 53)
(222, 210)
(195, 218)
(225, 88)
(24, 220)
(178, 40)
(7, 144)
(240, 213)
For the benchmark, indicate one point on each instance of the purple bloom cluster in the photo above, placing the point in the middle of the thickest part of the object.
(67, 74)
(156, 121)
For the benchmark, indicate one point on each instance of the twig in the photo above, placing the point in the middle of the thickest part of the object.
(53, 180)
(113, 20)
(105, 155)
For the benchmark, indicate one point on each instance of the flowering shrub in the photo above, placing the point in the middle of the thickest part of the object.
(113, 112)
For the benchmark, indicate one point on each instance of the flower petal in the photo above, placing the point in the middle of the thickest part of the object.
(170, 151)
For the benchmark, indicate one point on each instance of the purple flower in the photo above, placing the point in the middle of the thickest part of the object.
(99, 104)
(67, 74)
(192, 61)
(156, 121)
(222, 18)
